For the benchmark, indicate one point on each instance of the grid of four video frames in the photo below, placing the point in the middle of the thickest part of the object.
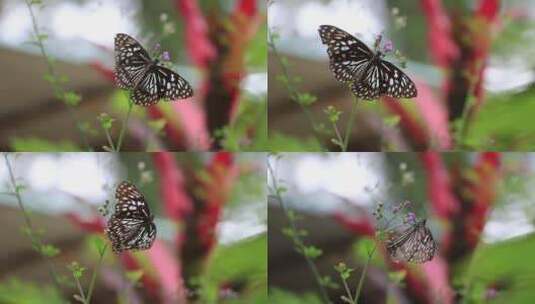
(279, 151)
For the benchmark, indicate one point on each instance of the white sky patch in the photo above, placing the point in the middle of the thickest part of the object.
(344, 174)
(92, 22)
(506, 223)
(52, 180)
(97, 22)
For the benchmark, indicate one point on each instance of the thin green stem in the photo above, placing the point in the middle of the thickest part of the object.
(348, 292)
(80, 289)
(339, 140)
(363, 273)
(125, 123)
(110, 140)
(298, 242)
(58, 89)
(292, 91)
(34, 238)
(95, 273)
(349, 125)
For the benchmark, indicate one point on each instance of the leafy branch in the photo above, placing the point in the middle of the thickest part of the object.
(303, 99)
(310, 253)
(47, 251)
(70, 98)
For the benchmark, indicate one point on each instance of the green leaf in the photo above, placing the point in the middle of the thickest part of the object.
(106, 121)
(312, 252)
(14, 291)
(244, 261)
(71, 98)
(40, 145)
(49, 250)
(306, 99)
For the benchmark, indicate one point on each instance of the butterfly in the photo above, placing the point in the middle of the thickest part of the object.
(131, 226)
(147, 79)
(370, 76)
(415, 244)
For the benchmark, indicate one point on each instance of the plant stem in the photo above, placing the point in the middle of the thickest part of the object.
(123, 128)
(95, 273)
(348, 291)
(350, 123)
(293, 93)
(58, 89)
(340, 141)
(110, 140)
(80, 289)
(298, 242)
(33, 236)
(363, 273)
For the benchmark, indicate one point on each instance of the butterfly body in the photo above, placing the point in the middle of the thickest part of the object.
(370, 77)
(415, 244)
(148, 80)
(131, 227)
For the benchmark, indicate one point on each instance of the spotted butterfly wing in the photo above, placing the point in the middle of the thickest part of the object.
(414, 245)
(131, 227)
(160, 83)
(147, 79)
(370, 76)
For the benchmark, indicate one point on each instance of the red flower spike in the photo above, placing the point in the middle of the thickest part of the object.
(94, 225)
(360, 226)
(484, 193)
(437, 277)
(222, 173)
(106, 72)
(199, 47)
(435, 115)
(439, 190)
(441, 44)
(177, 202)
(149, 283)
(412, 129)
(247, 7)
(169, 273)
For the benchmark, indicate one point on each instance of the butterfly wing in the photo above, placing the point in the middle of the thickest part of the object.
(394, 82)
(348, 55)
(131, 61)
(368, 87)
(172, 86)
(130, 202)
(415, 245)
(131, 226)
(160, 83)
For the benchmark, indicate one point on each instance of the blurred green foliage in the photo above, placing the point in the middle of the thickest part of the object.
(14, 291)
(504, 265)
(279, 296)
(248, 131)
(19, 144)
(504, 123)
(244, 261)
(279, 142)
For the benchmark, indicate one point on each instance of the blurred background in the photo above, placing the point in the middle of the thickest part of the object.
(63, 102)
(470, 60)
(210, 213)
(479, 208)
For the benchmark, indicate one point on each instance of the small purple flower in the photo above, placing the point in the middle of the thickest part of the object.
(166, 56)
(388, 46)
(411, 218)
